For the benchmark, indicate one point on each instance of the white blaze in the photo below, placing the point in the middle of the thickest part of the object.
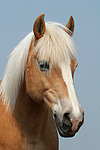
(67, 76)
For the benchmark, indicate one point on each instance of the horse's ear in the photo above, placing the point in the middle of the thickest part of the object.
(70, 26)
(39, 27)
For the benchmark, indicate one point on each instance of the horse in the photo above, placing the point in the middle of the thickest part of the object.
(38, 101)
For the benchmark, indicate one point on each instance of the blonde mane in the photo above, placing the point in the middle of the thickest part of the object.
(56, 45)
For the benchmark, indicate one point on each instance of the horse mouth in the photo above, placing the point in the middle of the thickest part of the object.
(65, 134)
(62, 131)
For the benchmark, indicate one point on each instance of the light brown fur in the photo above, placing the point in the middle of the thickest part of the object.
(30, 126)
(27, 129)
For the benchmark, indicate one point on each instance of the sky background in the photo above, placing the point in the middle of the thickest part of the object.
(16, 20)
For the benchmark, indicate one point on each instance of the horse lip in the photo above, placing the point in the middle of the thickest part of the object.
(62, 132)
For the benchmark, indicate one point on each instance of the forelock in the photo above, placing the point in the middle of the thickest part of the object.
(56, 45)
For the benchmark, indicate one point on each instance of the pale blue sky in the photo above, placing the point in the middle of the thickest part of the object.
(16, 19)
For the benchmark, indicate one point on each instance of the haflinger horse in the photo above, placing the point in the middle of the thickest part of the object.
(37, 94)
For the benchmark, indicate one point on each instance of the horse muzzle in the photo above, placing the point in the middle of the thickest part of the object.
(68, 127)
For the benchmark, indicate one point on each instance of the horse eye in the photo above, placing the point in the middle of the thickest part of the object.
(44, 65)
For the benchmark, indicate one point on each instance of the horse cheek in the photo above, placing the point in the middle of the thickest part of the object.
(33, 83)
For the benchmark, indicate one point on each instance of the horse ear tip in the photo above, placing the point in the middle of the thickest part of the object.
(71, 19)
(42, 15)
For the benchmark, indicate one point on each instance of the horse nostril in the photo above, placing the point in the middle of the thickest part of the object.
(66, 116)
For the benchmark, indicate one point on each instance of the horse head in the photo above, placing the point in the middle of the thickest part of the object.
(50, 71)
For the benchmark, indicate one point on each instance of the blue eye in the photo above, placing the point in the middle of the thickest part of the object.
(44, 65)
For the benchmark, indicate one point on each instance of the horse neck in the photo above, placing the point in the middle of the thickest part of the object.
(29, 115)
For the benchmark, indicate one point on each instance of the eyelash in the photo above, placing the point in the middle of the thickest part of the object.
(44, 65)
